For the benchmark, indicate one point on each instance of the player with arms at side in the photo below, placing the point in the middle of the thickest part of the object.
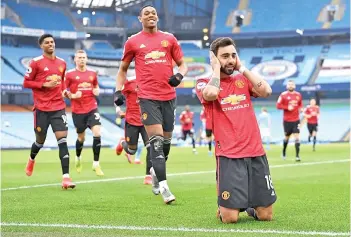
(83, 85)
(45, 76)
(290, 102)
(243, 177)
(154, 52)
(311, 114)
(186, 120)
(133, 127)
(206, 118)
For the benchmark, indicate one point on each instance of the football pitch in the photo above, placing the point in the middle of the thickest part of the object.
(313, 196)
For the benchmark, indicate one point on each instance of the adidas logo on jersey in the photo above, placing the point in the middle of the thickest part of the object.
(46, 69)
(142, 46)
(273, 193)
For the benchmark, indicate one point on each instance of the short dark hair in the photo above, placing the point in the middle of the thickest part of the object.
(141, 9)
(44, 36)
(221, 42)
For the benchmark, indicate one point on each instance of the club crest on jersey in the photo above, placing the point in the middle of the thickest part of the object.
(60, 68)
(39, 129)
(233, 99)
(144, 116)
(239, 83)
(91, 78)
(155, 55)
(164, 43)
(225, 195)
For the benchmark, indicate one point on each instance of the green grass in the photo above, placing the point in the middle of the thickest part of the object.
(310, 198)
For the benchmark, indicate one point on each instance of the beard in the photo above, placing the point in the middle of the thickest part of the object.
(227, 71)
(291, 89)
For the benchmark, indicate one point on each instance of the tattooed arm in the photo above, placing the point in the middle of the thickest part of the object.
(260, 86)
(211, 90)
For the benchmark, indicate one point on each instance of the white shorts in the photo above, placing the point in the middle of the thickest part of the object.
(265, 132)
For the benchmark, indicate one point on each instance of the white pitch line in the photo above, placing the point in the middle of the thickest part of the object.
(179, 229)
(174, 174)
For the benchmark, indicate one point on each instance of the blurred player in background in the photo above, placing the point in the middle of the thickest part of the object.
(264, 122)
(243, 177)
(312, 114)
(133, 127)
(206, 119)
(290, 102)
(186, 120)
(154, 52)
(45, 76)
(83, 86)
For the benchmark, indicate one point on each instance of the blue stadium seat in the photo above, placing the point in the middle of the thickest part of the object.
(37, 16)
(8, 22)
(273, 15)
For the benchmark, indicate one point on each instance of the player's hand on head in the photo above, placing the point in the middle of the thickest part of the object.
(214, 61)
(175, 80)
(119, 98)
(238, 63)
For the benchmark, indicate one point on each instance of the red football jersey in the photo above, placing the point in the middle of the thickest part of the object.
(40, 70)
(84, 82)
(207, 118)
(290, 98)
(314, 112)
(186, 120)
(235, 127)
(133, 116)
(154, 54)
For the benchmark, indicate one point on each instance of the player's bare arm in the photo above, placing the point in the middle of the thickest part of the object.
(182, 67)
(96, 91)
(120, 80)
(260, 87)
(122, 75)
(211, 90)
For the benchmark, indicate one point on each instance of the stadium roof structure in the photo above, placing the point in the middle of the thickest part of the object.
(105, 3)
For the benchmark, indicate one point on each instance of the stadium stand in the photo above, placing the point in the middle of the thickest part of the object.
(17, 132)
(268, 16)
(32, 16)
(336, 65)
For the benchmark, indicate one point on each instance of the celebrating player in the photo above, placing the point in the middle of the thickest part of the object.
(186, 120)
(243, 178)
(290, 102)
(312, 114)
(133, 127)
(83, 85)
(154, 52)
(45, 76)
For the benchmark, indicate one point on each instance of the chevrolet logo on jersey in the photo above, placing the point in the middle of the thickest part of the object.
(84, 85)
(54, 77)
(155, 55)
(233, 99)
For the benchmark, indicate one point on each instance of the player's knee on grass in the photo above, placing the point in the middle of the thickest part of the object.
(229, 215)
(264, 213)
